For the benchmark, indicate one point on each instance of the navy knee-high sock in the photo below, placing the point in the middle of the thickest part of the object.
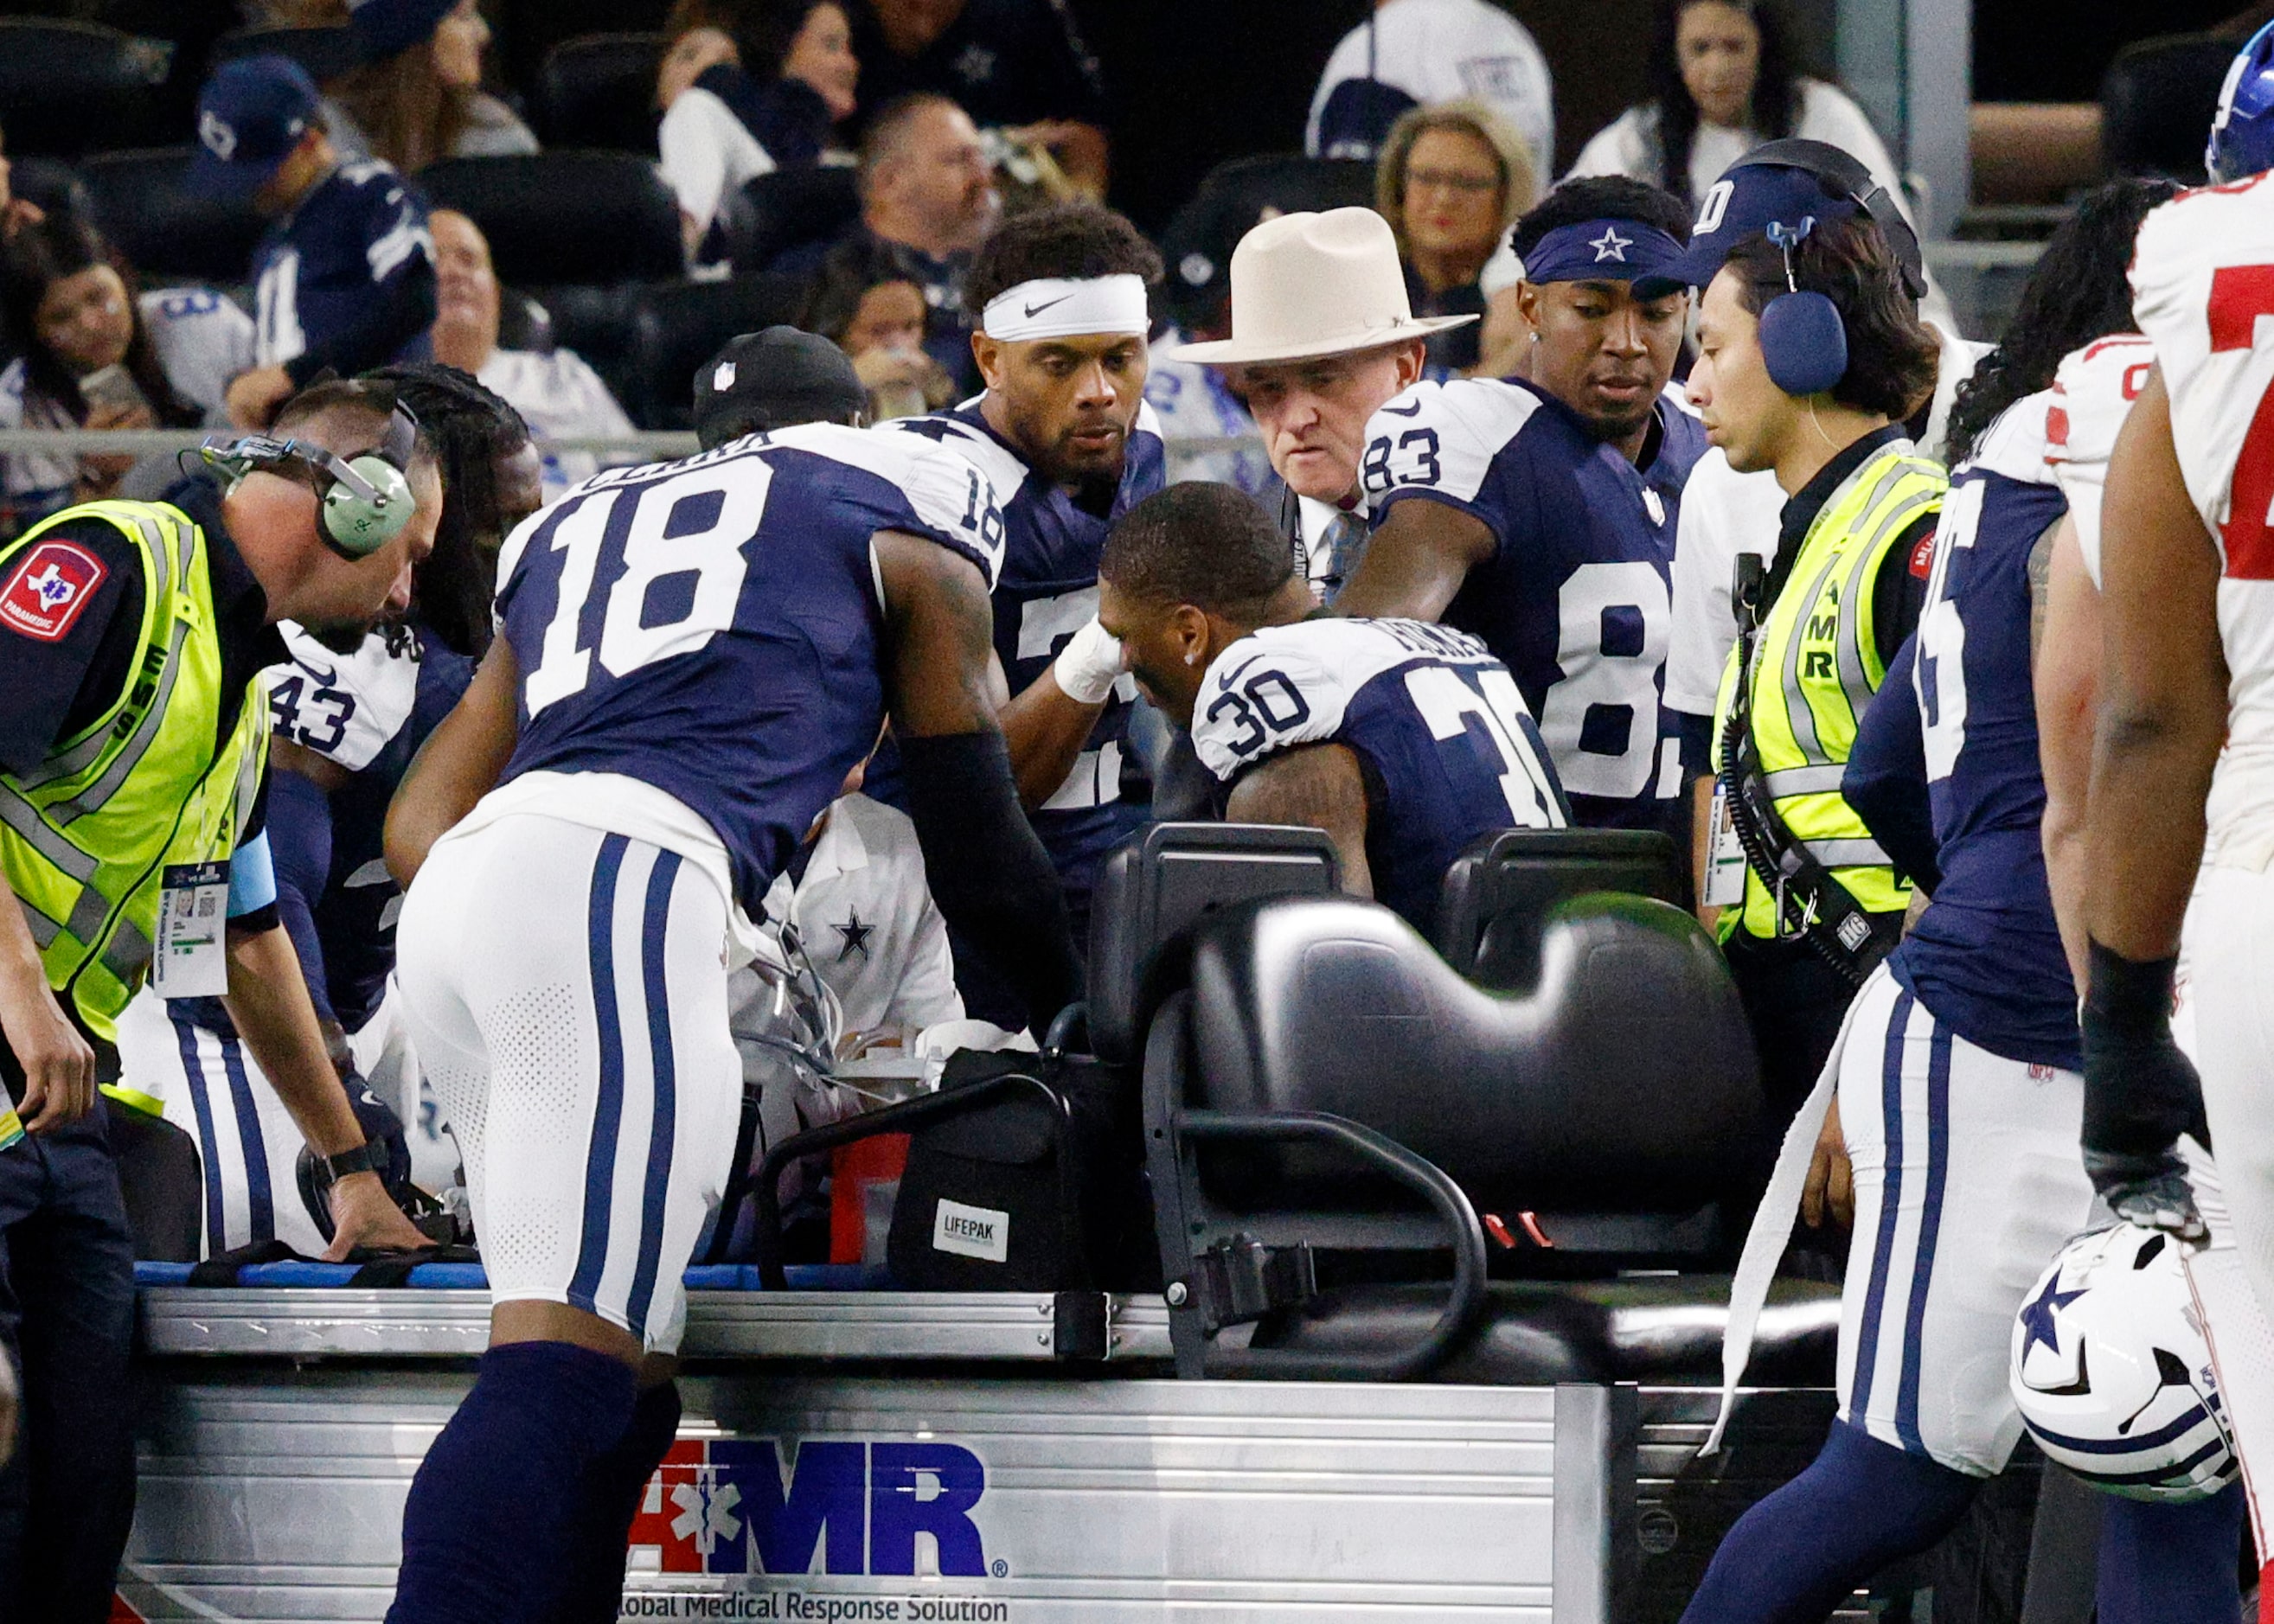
(1800, 1552)
(2170, 1564)
(486, 1529)
(592, 1580)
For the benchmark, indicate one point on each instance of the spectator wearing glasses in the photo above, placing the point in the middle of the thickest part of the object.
(99, 354)
(416, 93)
(1015, 65)
(556, 392)
(345, 276)
(747, 89)
(1451, 180)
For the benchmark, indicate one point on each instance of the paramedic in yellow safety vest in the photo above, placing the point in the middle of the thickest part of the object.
(1804, 901)
(133, 745)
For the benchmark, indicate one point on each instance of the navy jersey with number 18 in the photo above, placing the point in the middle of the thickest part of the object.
(1446, 749)
(713, 627)
(1574, 599)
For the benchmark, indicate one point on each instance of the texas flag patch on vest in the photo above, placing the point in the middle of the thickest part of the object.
(48, 589)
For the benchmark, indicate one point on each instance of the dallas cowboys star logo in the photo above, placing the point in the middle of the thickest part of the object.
(2038, 1315)
(1611, 245)
(855, 934)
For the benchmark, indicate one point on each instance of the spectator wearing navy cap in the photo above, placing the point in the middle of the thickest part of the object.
(415, 94)
(345, 276)
(1017, 66)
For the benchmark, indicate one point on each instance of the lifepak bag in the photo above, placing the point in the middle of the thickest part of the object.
(1041, 1190)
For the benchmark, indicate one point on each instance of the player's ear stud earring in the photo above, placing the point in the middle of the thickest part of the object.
(1191, 657)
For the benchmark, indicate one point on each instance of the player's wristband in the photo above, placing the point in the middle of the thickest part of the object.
(364, 1158)
(1087, 667)
(2128, 998)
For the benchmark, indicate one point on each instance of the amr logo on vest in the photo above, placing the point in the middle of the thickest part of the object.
(1819, 643)
(729, 1506)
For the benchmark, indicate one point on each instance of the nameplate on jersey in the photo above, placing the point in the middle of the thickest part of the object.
(972, 1232)
(192, 960)
(1725, 855)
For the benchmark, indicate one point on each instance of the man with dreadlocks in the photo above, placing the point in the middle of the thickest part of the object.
(349, 711)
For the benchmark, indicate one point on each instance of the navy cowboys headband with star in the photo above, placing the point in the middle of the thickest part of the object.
(1599, 251)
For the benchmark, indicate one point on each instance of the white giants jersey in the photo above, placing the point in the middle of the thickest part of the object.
(2202, 285)
(2092, 395)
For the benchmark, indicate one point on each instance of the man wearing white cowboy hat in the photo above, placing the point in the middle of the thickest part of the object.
(1322, 336)
(1538, 513)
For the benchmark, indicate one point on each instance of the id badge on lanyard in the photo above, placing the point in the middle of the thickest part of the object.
(192, 960)
(1725, 853)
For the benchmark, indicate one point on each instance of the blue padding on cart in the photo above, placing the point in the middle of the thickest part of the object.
(266, 1277)
(161, 1274)
(450, 1277)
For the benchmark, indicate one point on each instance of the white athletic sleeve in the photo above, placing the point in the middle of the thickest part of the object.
(1439, 440)
(2092, 394)
(1724, 513)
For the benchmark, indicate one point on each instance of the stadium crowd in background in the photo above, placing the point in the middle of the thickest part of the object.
(1622, 500)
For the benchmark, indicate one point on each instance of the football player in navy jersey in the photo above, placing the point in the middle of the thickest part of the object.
(1404, 741)
(1538, 513)
(1063, 432)
(344, 278)
(1960, 1101)
(692, 657)
(351, 705)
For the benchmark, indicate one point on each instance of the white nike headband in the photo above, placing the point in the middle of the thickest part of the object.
(1054, 307)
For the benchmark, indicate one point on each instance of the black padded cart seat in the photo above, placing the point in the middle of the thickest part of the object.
(1624, 1080)
(1656, 1330)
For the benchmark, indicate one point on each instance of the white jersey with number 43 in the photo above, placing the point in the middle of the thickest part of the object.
(2203, 284)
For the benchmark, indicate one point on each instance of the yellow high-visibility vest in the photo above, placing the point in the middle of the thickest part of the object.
(1815, 666)
(87, 836)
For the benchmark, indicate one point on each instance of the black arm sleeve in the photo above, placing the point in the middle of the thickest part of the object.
(987, 870)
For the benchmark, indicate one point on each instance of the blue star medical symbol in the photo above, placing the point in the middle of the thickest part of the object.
(2038, 1315)
(855, 933)
(1611, 245)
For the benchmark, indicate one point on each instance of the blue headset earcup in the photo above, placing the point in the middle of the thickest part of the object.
(1804, 342)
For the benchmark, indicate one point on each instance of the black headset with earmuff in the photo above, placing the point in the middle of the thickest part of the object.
(1804, 338)
(363, 500)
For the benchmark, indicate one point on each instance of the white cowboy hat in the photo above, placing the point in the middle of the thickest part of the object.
(1305, 286)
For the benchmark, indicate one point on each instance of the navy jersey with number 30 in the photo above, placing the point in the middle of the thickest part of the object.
(712, 627)
(1574, 597)
(1448, 749)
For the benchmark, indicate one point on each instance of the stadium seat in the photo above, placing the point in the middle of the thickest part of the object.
(599, 90)
(788, 209)
(165, 232)
(67, 88)
(1289, 182)
(2158, 99)
(49, 183)
(326, 53)
(678, 328)
(589, 218)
